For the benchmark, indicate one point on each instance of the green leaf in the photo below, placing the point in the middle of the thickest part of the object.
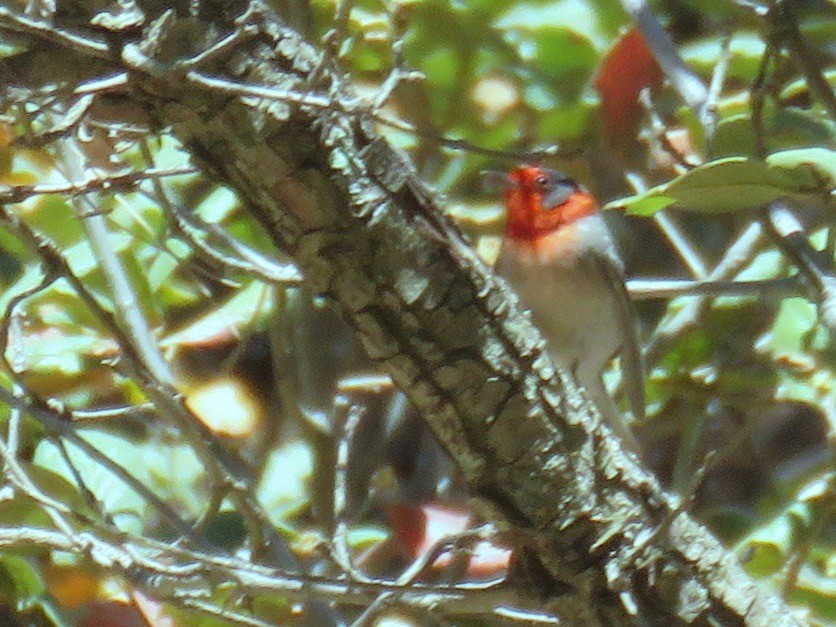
(572, 121)
(737, 183)
(728, 185)
(363, 537)
(565, 55)
(800, 88)
(820, 160)
(568, 14)
(228, 319)
(111, 491)
(283, 489)
(745, 53)
(20, 579)
(771, 544)
(795, 320)
(644, 205)
(226, 530)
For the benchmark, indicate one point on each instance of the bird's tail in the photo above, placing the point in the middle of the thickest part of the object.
(610, 412)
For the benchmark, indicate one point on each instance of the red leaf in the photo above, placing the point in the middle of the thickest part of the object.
(419, 527)
(628, 68)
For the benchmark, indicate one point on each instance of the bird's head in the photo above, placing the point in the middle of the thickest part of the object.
(539, 202)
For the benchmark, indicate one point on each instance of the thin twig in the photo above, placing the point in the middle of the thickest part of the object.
(61, 424)
(105, 414)
(670, 229)
(13, 428)
(782, 18)
(11, 194)
(685, 249)
(715, 88)
(398, 73)
(735, 259)
(660, 134)
(339, 538)
(129, 312)
(75, 114)
(649, 289)
(103, 84)
(356, 106)
(757, 95)
(90, 498)
(424, 563)
(226, 468)
(793, 241)
(51, 33)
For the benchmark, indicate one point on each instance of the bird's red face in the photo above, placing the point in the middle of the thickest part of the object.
(539, 202)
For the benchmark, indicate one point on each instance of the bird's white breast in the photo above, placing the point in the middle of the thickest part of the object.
(560, 281)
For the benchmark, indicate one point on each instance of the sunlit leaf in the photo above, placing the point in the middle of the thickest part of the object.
(745, 52)
(283, 487)
(227, 321)
(111, 491)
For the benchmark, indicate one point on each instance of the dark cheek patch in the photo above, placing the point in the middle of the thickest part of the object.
(558, 195)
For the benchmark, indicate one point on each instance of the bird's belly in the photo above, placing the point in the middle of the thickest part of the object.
(573, 306)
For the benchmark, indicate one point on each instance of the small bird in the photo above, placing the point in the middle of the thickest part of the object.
(559, 256)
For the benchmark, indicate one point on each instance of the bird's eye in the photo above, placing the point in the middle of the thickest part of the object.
(542, 183)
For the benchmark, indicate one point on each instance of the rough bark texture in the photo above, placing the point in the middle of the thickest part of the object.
(367, 232)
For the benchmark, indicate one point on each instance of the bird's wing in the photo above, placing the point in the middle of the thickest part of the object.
(632, 361)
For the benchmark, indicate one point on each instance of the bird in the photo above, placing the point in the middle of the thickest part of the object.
(558, 255)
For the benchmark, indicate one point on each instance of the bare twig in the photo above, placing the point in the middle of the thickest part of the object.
(105, 414)
(226, 468)
(735, 259)
(821, 522)
(339, 539)
(757, 95)
(321, 101)
(75, 113)
(715, 88)
(51, 33)
(782, 18)
(243, 258)
(11, 194)
(103, 84)
(424, 562)
(792, 238)
(686, 250)
(174, 574)
(338, 33)
(660, 133)
(677, 239)
(398, 73)
(648, 289)
(129, 312)
(194, 229)
(61, 424)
